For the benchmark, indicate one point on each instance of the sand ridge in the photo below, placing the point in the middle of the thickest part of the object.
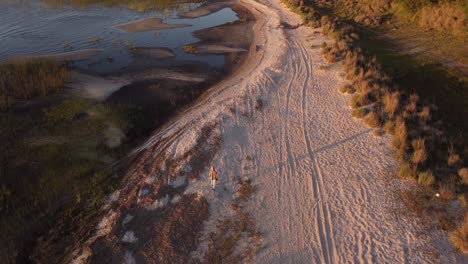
(323, 195)
(149, 24)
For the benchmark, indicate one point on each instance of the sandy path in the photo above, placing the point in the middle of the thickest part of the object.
(322, 191)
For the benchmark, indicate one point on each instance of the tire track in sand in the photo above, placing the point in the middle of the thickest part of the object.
(327, 237)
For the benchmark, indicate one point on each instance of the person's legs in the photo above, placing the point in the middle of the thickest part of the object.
(213, 184)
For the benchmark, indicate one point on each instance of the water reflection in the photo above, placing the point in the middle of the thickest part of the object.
(38, 27)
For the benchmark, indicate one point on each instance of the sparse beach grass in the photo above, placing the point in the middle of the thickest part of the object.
(27, 78)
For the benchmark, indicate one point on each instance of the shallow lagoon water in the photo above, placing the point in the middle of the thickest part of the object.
(38, 29)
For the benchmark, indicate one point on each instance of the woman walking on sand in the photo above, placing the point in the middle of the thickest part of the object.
(213, 177)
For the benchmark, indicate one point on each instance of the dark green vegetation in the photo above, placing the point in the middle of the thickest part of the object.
(420, 100)
(56, 168)
(25, 79)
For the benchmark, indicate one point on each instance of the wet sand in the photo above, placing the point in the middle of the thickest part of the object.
(149, 24)
(154, 52)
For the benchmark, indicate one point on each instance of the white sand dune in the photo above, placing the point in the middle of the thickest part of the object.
(322, 191)
(149, 24)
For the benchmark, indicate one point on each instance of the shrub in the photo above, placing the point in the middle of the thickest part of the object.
(373, 120)
(426, 178)
(420, 154)
(66, 111)
(463, 173)
(407, 171)
(459, 236)
(359, 113)
(391, 103)
(347, 89)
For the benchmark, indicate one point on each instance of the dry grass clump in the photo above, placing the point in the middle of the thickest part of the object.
(245, 189)
(463, 173)
(391, 103)
(459, 236)
(426, 178)
(407, 171)
(425, 114)
(222, 244)
(178, 232)
(359, 112)
(347, 89)
(453, 158)
(400, 136)
(420, 153)
(28, 78)
(361, 99)
(412, 106)
(373, 120)
(389, 127)
(443, 17)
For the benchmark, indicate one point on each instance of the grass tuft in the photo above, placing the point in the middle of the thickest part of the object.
(373, 120)
(459, 236)
(426, 178)
(347, 89)
(407, 171)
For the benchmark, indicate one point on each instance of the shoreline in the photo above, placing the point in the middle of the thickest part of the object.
(322, 193)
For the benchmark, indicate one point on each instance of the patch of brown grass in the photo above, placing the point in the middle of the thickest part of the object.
(391, 103)
(28, 78)
(459, 236)
(453, 158)
(443, 17)
(420, 153)
(359, 112)
(463, 173)
(373, 120)
(407, 171)
(177, 234)
(221, 244)
(399, 140)
(347, 89)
